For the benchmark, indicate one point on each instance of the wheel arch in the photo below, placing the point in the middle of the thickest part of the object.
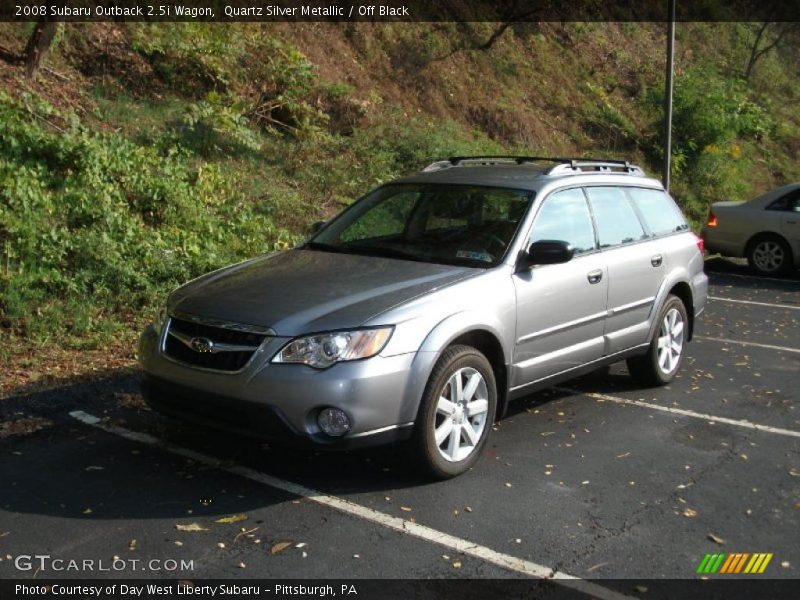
(473, 329)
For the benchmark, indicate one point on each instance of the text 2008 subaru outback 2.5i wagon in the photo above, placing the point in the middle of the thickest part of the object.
(423, 308)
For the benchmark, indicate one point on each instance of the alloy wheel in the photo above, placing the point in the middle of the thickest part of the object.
(670, 341)
(768, 256)
(461, 414)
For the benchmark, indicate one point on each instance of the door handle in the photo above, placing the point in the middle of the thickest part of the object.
(656, 260)
(594, 276)
(791, 222)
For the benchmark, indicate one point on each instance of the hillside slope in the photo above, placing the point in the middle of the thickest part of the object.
(146, 154)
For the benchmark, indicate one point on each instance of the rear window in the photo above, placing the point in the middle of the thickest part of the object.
(659, 212)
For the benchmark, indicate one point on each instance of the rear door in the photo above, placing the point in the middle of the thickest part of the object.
(635, 264)
(790, 221)
(560, 308)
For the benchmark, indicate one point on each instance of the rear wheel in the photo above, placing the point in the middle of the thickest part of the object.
(769, 255)
(665, 354)
(456, 413)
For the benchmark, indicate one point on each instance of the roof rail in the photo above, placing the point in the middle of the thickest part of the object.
(562, 165)
(591, 165)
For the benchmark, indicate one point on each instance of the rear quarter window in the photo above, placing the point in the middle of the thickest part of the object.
(658, 210)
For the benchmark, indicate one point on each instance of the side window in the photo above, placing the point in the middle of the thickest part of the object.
(617, 222)
(384, 219)
(658, 210)
(790, 202)
(565, 216)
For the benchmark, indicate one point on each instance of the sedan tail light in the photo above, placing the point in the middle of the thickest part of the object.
(712, 220)
(701, 245)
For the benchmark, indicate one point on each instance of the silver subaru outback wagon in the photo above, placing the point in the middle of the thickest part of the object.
(426, 306)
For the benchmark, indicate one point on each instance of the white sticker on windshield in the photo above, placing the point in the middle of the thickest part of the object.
(484, 256)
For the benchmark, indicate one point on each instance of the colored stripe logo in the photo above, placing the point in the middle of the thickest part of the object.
(736, 562)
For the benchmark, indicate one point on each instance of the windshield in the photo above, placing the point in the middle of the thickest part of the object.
(451, 224)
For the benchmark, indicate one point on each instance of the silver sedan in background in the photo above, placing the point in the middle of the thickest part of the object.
(765, 230)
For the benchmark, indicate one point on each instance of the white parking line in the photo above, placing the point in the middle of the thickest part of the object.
(506, 561)
(683, 412)
(743, 343)
(771, 305)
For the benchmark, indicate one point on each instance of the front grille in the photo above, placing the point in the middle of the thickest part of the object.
(176, 348)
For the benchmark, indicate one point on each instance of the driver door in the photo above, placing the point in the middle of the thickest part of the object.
(561, 308)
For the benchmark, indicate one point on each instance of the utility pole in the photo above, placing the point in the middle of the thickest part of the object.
(668, 95)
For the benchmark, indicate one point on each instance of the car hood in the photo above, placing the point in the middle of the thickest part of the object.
(302, 291)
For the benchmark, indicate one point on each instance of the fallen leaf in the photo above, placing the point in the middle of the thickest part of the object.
(232, 519)
(220, 545)
(279, 547)
(689, 512)
(301, 545)
(469, 509)
(242, 565)
(132, 545)
(457, 564)
(191, 527)
(405, 508)
(508, 484)
(88, 511)
(716, 539)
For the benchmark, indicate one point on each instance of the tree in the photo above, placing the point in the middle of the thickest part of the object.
(38, 45)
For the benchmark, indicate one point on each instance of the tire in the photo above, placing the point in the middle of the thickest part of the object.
(660, 364)
(457, 450)
(769, 255)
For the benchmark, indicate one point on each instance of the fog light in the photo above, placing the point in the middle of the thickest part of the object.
(333, 421)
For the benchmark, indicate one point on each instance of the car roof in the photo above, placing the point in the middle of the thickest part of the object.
(767, 198)
(528, 174)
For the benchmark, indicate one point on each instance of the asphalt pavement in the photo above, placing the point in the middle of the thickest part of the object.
(596, 479)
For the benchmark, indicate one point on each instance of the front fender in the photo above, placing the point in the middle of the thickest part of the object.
(442, 336)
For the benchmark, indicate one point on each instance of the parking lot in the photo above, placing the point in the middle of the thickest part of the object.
(594, 479)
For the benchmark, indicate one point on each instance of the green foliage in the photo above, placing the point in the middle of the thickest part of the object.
(94, 225)
(709, 110)
(213, 126)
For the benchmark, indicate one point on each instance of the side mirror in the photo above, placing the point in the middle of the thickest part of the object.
(317, 226)
(546, 252)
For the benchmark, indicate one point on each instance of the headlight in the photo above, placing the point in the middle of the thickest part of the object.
(325, 349)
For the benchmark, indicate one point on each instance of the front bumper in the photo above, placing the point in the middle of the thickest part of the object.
(280, 403)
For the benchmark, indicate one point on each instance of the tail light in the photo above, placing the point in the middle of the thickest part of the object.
(712, 220)
(701, 245)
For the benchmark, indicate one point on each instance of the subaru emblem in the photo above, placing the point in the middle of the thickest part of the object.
(202, 345)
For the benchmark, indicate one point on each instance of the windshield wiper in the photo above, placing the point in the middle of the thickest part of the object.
(327, 247)
(384, 251)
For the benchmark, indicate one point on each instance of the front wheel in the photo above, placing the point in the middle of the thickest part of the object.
(665, 354)
(456, 413)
